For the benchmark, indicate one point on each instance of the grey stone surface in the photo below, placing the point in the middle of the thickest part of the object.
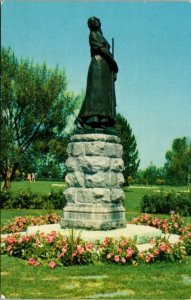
(94, 196)
(103, 149)
(116, 164)
(99, 179)
(71, 194)
(93, 164)
(76, 149)
(117, 195)
(75, 179)
(95, 137)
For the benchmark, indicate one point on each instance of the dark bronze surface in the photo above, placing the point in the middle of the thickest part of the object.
(99, 106)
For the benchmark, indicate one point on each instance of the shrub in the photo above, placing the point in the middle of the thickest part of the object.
(122, 251)
(164, 203)
(28, 199)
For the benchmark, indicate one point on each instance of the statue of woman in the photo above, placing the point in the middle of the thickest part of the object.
(99, 106)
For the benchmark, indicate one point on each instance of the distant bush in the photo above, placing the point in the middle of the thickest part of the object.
(164, 203)
(28, 199)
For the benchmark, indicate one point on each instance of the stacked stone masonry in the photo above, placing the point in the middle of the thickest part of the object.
(94, 194)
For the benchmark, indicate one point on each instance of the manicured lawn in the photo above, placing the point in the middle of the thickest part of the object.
(157, 281)
(36, 187)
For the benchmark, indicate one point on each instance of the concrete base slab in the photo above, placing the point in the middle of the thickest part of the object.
(142, 233)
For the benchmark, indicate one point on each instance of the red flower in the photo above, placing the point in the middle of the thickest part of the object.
(52, 264)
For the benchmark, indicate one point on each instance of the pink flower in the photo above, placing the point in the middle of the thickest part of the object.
(50, 239)
(156, 252)
(88, 247)
(116, 258)
(123, 260)
(119, 250)
(9, 248)
(155, 221)
(80, 249)
(141, 255)
(162, 247)
(33, 262)
(129, 252)
(109, 255)
(11, 240)
(52, 264)
(147, 259)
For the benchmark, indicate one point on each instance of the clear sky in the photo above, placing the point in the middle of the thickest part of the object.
(152, 49)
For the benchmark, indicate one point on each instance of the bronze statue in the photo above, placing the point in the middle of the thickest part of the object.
(99, 106)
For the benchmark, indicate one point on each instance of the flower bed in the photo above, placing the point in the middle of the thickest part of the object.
(19, 224)
(55, 249)
(175, 225)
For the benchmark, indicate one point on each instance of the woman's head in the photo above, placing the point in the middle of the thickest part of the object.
(94, 23)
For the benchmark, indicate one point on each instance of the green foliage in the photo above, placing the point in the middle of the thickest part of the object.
(164, 203)
(28, 199)
(178, 162)
(35, 109)
(151, 175)
(130, 152)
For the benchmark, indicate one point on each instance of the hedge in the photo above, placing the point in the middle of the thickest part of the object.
(164, 203)
(28, 199)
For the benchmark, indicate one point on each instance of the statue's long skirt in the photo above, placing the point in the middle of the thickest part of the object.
(100, 94)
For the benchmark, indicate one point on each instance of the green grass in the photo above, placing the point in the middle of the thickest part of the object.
(157, 281)
(42, 187)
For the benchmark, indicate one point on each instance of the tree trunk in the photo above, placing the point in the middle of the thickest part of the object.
(7, 180)
(7, 173)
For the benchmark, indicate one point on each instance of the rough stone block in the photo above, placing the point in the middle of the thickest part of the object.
(103, 149)
(116, 164)
(71, 195)
(117, 195)
(93, 195)
(120, 179)
(76, 149)
(75, 179)
(72, 164)
(99, 179)
(95, 137)
(93, 164)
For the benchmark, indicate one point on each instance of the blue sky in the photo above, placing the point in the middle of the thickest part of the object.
(152, 49)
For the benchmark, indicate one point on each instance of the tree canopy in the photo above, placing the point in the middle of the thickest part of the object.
(35, 107)
(178, 162)
(130, 152)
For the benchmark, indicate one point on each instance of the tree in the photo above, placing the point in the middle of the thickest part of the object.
(130, 152)
(178, 162)
(34, 109)
(153, 175)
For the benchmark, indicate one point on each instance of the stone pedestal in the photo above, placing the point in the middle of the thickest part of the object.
(94, 196)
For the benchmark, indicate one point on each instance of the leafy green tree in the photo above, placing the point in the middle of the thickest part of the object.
(35, 107)
(152, 174)
(178, 162)
(130, 152)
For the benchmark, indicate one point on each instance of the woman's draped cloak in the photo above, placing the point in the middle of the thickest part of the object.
(99, 101)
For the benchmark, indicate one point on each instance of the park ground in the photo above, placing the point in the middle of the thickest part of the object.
(163, 280)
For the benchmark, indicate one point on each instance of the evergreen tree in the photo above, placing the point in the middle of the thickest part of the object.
(130, 152)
